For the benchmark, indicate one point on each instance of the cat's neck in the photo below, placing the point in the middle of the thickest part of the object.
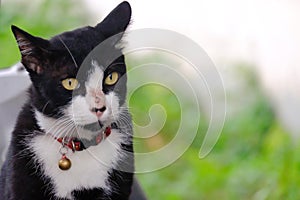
(62, 127)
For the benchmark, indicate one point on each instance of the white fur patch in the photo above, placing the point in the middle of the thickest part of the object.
(89, 169)
(62, 127)
(79, 111)
(96, 77)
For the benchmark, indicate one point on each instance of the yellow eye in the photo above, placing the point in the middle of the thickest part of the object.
(70, 83)
(112, 78)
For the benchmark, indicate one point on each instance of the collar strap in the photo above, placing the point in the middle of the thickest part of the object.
(76, 144)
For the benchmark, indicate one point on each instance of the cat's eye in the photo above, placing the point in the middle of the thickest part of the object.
(70, 83)
(112, 78)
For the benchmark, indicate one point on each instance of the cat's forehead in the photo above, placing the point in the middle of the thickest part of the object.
(76, 43)
(73, 47)
(82, 36)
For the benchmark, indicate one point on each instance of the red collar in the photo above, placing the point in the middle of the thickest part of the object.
(76, 144)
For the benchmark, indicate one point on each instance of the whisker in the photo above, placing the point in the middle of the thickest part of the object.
(46, 104)
(68, 51)
(57, 124)
(61, 127)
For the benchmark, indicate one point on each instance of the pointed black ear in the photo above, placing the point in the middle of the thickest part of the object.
(116, 21)
(32, 49)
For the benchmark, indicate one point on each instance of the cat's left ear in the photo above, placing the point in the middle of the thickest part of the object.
(32, 50)
(116, 21)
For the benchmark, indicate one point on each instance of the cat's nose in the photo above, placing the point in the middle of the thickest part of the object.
(98, 111)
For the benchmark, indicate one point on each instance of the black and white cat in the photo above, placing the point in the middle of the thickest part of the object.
(73, 137)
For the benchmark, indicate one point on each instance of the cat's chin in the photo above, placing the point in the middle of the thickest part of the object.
(94, 127)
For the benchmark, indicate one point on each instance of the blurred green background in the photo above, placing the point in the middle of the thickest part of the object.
(255, 158)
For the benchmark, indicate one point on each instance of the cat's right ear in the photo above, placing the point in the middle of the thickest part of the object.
(32, 50)
(116, 21)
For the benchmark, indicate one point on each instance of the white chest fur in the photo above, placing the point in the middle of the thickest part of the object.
(89, 169)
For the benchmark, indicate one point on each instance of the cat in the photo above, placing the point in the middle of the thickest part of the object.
(73, 137)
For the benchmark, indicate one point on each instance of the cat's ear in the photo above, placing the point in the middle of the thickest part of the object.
(32, 50)
(116, 21)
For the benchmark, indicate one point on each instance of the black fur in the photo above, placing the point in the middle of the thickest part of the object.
(48, 62)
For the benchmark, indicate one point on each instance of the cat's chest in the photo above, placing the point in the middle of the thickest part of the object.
(89, 168)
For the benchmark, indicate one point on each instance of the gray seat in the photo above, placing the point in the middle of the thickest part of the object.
(14, 82)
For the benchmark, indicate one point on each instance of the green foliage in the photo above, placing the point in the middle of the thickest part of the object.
(42, 18)
(249, 161)
(253, 159)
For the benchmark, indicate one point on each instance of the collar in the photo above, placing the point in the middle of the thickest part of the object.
(76, 144)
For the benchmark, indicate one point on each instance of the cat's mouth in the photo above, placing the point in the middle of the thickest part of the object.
(96, 126)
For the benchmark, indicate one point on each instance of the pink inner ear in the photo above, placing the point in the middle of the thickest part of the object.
(28, 58)
(32, 63)
(24, 44)
(35, 68)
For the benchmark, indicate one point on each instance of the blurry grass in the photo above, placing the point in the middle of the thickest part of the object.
(39, 17)
(141, 101)
(271, 174)
(250, 161)
(253, 159)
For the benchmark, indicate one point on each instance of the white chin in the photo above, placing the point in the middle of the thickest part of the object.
(94, 127)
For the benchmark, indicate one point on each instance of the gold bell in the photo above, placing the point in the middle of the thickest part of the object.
(64, 163)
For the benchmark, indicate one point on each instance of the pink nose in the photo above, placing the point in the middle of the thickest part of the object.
(98, 111)
(98, 101)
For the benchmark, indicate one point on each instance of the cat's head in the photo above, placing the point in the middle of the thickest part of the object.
(72, 81)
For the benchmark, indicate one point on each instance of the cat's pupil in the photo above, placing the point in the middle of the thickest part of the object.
(110, 76)
(70, 82)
